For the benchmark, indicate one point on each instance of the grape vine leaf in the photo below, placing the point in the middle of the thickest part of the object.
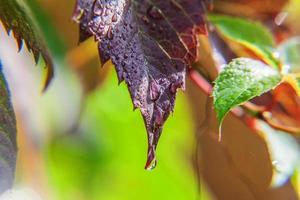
(8, 147)
(241, 80)
(16, 17)
(151, 43)
(250, 34)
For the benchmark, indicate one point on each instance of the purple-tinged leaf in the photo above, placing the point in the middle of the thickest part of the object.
(151, 43)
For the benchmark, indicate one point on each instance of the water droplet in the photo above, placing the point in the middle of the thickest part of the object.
(167, 106)
(173, 88)
(109, 33)
(151, 165)
(151, 158)
(78, 15)
(153, 26)
(145, 20)
(220, 134)
(279, 19)
(160, 30)
(114, 18)
(177, 83)
(154, 91)
(277, 166)
(154, 12)
(98, 11)
(158, 117)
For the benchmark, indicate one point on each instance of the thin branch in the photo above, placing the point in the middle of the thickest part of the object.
(205, 85)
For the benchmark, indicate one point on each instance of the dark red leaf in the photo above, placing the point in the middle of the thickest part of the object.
(151, 43)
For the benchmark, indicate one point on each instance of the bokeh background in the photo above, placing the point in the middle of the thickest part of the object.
(81, 139)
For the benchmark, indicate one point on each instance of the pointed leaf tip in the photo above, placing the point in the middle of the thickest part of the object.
(241, 80)
(150, 50)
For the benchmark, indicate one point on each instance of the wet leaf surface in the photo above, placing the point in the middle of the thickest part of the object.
(8, 149)
(16, 18)
(151, 43)
(240, 81)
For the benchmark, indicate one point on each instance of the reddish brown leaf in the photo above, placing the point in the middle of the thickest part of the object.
(150, 42)
(285, 109)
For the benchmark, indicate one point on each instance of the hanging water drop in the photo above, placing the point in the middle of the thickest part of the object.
(145, 20)
(158, 117)
(114, 18)
(151, 158)
(109, 33)
(78, 15)
(220, 134)
(154, 12)
(98, 11)
(154, 90)
(151, 165)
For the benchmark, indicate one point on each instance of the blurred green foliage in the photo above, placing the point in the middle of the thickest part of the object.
(104, 158)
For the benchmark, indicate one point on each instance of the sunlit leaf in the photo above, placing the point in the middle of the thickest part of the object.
(240, 81)
(284, 109)
(294, 81)
(251, 35)
(150, 43)
(8, 149)
(16, 17)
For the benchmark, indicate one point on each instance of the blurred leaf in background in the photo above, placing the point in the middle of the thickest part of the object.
(103, 159)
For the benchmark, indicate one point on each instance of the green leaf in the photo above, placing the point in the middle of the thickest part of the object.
(110, 155)
(240, 81)
(16, 17)
(249, 34)
(8, 149)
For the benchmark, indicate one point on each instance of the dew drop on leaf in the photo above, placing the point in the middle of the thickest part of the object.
(159, 118)
(114, 18)
(154, 91)
(154, 13)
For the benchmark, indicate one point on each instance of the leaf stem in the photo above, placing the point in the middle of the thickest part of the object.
(205, 85)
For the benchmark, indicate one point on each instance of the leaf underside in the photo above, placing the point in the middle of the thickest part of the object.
(8, 149)
(16, 17)
(240, 81)
(151, 43)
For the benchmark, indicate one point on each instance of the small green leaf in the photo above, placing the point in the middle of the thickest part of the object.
(8, 149)
(249, 34)
(240, 81)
